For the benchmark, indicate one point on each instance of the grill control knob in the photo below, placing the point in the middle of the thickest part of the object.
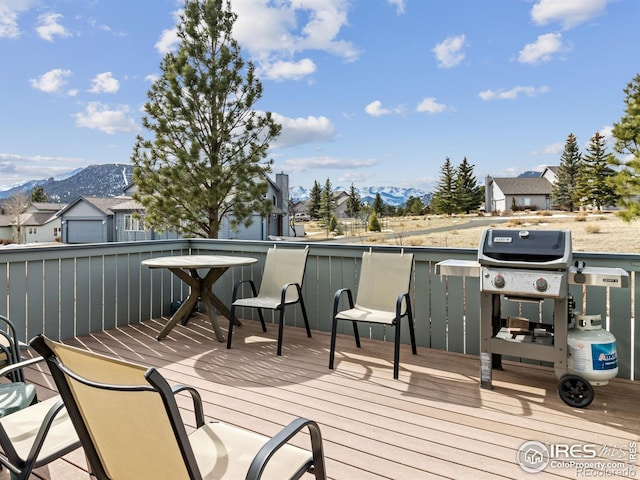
(498, 281)
(541, 285)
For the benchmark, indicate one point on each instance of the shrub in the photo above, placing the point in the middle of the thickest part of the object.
(581, 218)
(592, 228)
(374, 223)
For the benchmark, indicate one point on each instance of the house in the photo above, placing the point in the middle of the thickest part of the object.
(533, 193)
(121, 219)
(38, 224)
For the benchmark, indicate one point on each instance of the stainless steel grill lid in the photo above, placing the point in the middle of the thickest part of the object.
(546, 249)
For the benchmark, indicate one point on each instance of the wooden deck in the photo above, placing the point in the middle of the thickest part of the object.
(434, 422)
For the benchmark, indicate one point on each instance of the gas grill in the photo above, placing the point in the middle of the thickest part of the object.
(526, 307)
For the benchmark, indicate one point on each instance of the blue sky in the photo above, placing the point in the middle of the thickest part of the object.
(369, 92)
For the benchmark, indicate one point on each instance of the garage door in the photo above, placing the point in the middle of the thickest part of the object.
(85, 231)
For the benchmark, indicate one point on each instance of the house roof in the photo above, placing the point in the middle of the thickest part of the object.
(103, 204)
(524, 186)
(48, 206)
(129, 205)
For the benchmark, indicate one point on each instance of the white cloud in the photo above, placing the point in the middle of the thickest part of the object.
(400, 8)
(290, 70)
(569, 13)
(297, 131)
(275, 32)
(9, 13)
(543, 50)
(375, 109)
(49, 26)
(513, 93)
(552, 149)
(449, 52)
(430, 105)
(312, 163)
(168, 41)
(52, 81)
(98, 116)
(17, 169)
(104, 83)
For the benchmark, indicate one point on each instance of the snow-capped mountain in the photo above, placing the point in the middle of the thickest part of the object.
(390, 195)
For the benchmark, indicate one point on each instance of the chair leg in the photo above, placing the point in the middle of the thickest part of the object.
(332, 350)
(412, 330)
(304, 315)
(261, 316)
(232, 315)
(280, 330)
(396, 350)
(356, 334)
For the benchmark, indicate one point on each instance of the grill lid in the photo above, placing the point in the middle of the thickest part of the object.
(549, 249)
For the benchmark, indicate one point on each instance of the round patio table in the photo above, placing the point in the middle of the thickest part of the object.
(186, 268)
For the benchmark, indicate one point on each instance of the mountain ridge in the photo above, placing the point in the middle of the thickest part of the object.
(109, 180)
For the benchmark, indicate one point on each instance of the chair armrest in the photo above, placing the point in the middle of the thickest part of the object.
(263, 456)
(21, 364)
(198, 410)
(401, 297)
(45, 427)
(234, 296)
(338, 296)
(283, 292)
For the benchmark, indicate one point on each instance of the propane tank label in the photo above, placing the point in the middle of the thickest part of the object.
(604, 356)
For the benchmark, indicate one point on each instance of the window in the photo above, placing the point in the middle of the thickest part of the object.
(132, 223)
(33, 230)
(56, 231)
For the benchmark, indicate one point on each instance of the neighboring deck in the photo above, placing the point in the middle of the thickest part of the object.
(434, 422)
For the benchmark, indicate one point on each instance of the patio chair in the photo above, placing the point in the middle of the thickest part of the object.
(128, 420)
(382, 298)
(14, 394)
(10, 348)
(281, 285)
(36, 434)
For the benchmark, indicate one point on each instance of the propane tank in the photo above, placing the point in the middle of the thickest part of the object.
(592, 350)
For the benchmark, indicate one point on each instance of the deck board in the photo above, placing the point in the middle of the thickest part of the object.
(433, 422)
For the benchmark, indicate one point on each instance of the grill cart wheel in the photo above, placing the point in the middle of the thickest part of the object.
(575, 391)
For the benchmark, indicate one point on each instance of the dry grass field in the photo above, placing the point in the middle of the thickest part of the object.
(595, 232)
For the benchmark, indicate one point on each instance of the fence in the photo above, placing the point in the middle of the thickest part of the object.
(73, 290)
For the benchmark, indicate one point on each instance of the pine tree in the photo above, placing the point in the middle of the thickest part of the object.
(327, 203)
(205, 158)
(595, 186)
(627, 135)
(414, 205)
(38, 195)
(353, 202)
(444, 197)
(468, 193)
(564, 193)
(315, 196)
(378, 205)
(374, 223)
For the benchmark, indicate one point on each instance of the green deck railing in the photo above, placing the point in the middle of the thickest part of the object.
(73, 290)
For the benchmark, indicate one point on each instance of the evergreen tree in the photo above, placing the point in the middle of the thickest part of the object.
(374, 223)
(414, 206)
(378, 205)
(444, 196)
(627, 135)
(353, 202)
(564, 191)
(595, 185)
(468, 193)
(38, 195)
(315, 196)
(205, 157)
(327, 203)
